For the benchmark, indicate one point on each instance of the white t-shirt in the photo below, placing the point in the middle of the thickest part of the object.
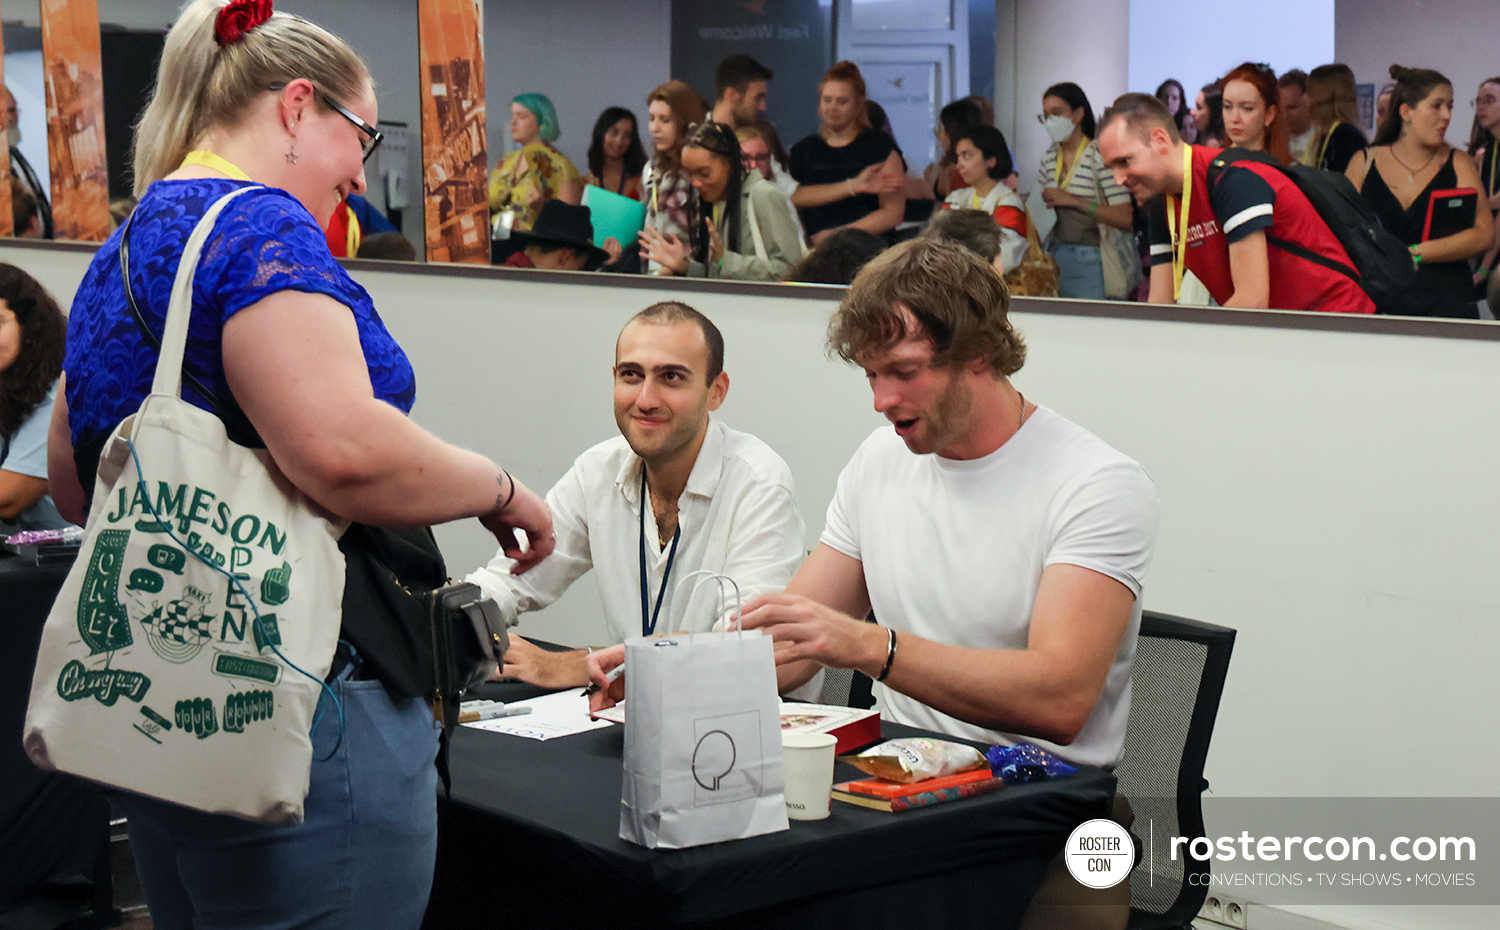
(738, 516)
(953, 551)
(1012, 243)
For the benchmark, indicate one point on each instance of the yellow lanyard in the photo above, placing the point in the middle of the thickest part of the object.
(1323, 149)
(1494, 175)
(210, 160)
(718, 212)
(1057, 175)
(1180, 222)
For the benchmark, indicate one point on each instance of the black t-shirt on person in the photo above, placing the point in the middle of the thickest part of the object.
(814, 161)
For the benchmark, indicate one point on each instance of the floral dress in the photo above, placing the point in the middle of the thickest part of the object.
(536, 167)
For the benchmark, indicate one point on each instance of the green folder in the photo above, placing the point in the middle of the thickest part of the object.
(613, 215)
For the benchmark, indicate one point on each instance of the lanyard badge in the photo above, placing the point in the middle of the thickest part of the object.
(649, 616)
(1177, 225)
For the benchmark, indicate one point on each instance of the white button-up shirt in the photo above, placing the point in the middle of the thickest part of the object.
(738, 517)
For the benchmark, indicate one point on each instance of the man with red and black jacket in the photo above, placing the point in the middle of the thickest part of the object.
(1217, 243)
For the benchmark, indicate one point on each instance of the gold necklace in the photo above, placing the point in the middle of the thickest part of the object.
(1023, 411)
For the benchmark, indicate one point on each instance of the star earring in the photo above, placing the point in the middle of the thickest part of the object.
(291, 152)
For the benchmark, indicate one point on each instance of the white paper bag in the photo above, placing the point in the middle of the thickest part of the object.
(154, 674)
(702, 740)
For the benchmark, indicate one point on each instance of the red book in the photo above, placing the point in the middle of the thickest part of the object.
(925, 798)
(1449, 212)
(883, 788)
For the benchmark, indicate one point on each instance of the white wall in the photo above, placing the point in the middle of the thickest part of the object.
(1285, 34)
(1456, 37)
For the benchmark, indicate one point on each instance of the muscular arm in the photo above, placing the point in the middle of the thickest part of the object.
(1250, 270)
(1047, 690)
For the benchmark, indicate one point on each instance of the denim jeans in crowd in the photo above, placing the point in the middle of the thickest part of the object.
(1080, 271)
(361, 860)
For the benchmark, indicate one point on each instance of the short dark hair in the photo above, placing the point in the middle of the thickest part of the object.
(44, 332)
(739, 72)
(991, 144)
(1293, 78)
(672, 311)
(955, 297)
(838, 258)
(389, 246)
(1140, 112)
(975, 230)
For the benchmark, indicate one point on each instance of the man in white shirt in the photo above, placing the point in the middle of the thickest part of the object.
(677, 492)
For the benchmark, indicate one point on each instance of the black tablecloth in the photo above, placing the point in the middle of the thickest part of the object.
(532, 834)
(51, 827)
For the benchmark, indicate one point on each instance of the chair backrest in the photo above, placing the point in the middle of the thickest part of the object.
(1176, 683)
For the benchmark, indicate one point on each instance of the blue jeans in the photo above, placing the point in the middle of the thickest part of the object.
(362, 857)
(1080, 271)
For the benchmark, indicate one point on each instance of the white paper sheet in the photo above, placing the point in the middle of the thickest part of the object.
(552, 715)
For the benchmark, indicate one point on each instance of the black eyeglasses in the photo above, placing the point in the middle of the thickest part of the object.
(373, 136)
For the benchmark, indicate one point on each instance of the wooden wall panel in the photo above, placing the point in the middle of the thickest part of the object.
(454, 157)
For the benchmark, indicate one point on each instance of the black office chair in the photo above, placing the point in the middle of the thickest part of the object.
(1178, 678)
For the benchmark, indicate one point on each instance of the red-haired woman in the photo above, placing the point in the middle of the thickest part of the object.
(1251, 111)
(847, 173)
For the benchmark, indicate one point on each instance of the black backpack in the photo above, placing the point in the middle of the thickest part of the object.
(1383, 266)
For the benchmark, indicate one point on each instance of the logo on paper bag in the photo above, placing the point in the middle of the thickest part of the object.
(726, 758)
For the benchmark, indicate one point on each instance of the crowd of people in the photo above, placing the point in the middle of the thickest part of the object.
(710, 187)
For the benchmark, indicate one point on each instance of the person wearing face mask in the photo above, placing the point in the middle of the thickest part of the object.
(746, 229)
(21, 168)
(984, 162)
(1409, 160)
(670, 200)
(1484, 147)
(1084, 196)
(1252, 116)
(536, 172)
(616, 156)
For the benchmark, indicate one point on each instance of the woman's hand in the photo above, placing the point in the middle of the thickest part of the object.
(666, 249)
(525, 512)
(613, 249)
(876, 180)
(716, 243)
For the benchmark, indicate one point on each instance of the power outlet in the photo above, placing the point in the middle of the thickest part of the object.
(1223, 911)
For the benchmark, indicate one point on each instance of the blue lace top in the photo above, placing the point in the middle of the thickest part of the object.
(265, 241)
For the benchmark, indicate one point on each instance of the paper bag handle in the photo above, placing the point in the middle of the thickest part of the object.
(715, 576)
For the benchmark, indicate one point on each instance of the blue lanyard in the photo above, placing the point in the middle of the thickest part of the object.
(648, 625)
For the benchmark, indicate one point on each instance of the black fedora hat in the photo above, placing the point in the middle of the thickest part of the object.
(564, 224)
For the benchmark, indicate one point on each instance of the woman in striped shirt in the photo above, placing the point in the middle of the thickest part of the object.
(1080, 190)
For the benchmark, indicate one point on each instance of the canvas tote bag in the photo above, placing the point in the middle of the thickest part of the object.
(703, 758)
(184, 656)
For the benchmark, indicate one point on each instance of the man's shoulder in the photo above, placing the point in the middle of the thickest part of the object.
(1073, 454)
(752, 454)
(607, 456)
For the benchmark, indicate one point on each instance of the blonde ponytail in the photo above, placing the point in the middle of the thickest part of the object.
(200, 86)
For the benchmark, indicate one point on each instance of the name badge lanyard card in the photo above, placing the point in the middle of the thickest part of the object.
(1177, 226)
(648, 616)
(1061, 182)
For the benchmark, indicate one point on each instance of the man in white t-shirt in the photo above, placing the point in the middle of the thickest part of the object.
(1001, 547)
(676, 492)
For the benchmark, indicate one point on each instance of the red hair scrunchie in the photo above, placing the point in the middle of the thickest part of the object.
(239, 17)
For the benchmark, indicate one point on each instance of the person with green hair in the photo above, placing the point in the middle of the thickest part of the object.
(536, 172)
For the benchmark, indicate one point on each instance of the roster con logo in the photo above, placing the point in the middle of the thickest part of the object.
(1316, 848)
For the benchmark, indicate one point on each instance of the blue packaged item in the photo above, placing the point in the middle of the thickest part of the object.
(1023, 763)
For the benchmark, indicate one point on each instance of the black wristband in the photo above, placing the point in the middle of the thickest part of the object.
(890, 656)
(512, 496)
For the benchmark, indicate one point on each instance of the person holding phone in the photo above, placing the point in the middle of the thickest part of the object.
(1408, 168)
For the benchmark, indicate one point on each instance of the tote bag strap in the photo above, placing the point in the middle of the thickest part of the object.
(760, 244)
(168, 379)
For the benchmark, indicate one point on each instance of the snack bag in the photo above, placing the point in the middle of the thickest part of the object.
(912, 759)
(1022, 763)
